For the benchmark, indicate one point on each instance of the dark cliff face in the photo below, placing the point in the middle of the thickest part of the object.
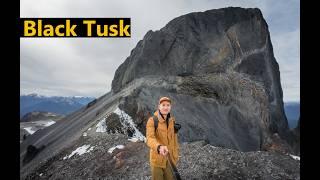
(223, 56)
(224, 40)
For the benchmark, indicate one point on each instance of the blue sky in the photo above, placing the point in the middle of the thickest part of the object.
(85, 67)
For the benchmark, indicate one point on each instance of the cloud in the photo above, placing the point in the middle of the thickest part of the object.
(71, 66)
(48, 64)
(287, 48)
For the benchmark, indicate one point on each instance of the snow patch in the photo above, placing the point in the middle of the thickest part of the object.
(51, 114)
(85, 134)
(80, 150)
(49, 123)
(133, 139)
(295, 157)
(110, 150)
(29, 129)
(44, 123)
(127, 121)
(101, 126)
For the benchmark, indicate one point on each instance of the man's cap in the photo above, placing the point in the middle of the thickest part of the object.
(164, 99)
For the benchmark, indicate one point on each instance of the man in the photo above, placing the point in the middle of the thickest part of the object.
(162, 140)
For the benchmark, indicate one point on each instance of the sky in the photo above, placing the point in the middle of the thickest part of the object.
(86, 66)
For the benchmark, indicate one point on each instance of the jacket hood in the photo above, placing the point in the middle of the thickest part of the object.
(156, 113)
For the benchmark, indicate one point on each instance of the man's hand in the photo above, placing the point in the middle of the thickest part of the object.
(163, 150)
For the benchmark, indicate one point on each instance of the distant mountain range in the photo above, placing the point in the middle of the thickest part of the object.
(55, 104)
(292, 110)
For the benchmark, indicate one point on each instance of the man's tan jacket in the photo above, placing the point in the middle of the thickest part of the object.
(162, 136)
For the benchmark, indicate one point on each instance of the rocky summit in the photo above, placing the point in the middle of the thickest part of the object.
(112, 156)
(219, 69)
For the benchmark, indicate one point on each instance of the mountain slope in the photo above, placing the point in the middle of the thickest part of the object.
(218, 67)
(34, 121)
(198, 161)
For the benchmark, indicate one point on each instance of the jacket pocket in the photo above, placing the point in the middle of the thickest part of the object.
(156, 158)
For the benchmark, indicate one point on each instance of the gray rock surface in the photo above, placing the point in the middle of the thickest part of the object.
(198, 160)
(224, 76)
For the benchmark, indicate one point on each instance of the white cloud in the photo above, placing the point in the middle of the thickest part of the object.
(287, 52)
(86, 66)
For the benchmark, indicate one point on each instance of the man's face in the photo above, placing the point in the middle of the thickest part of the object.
(165, 107)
